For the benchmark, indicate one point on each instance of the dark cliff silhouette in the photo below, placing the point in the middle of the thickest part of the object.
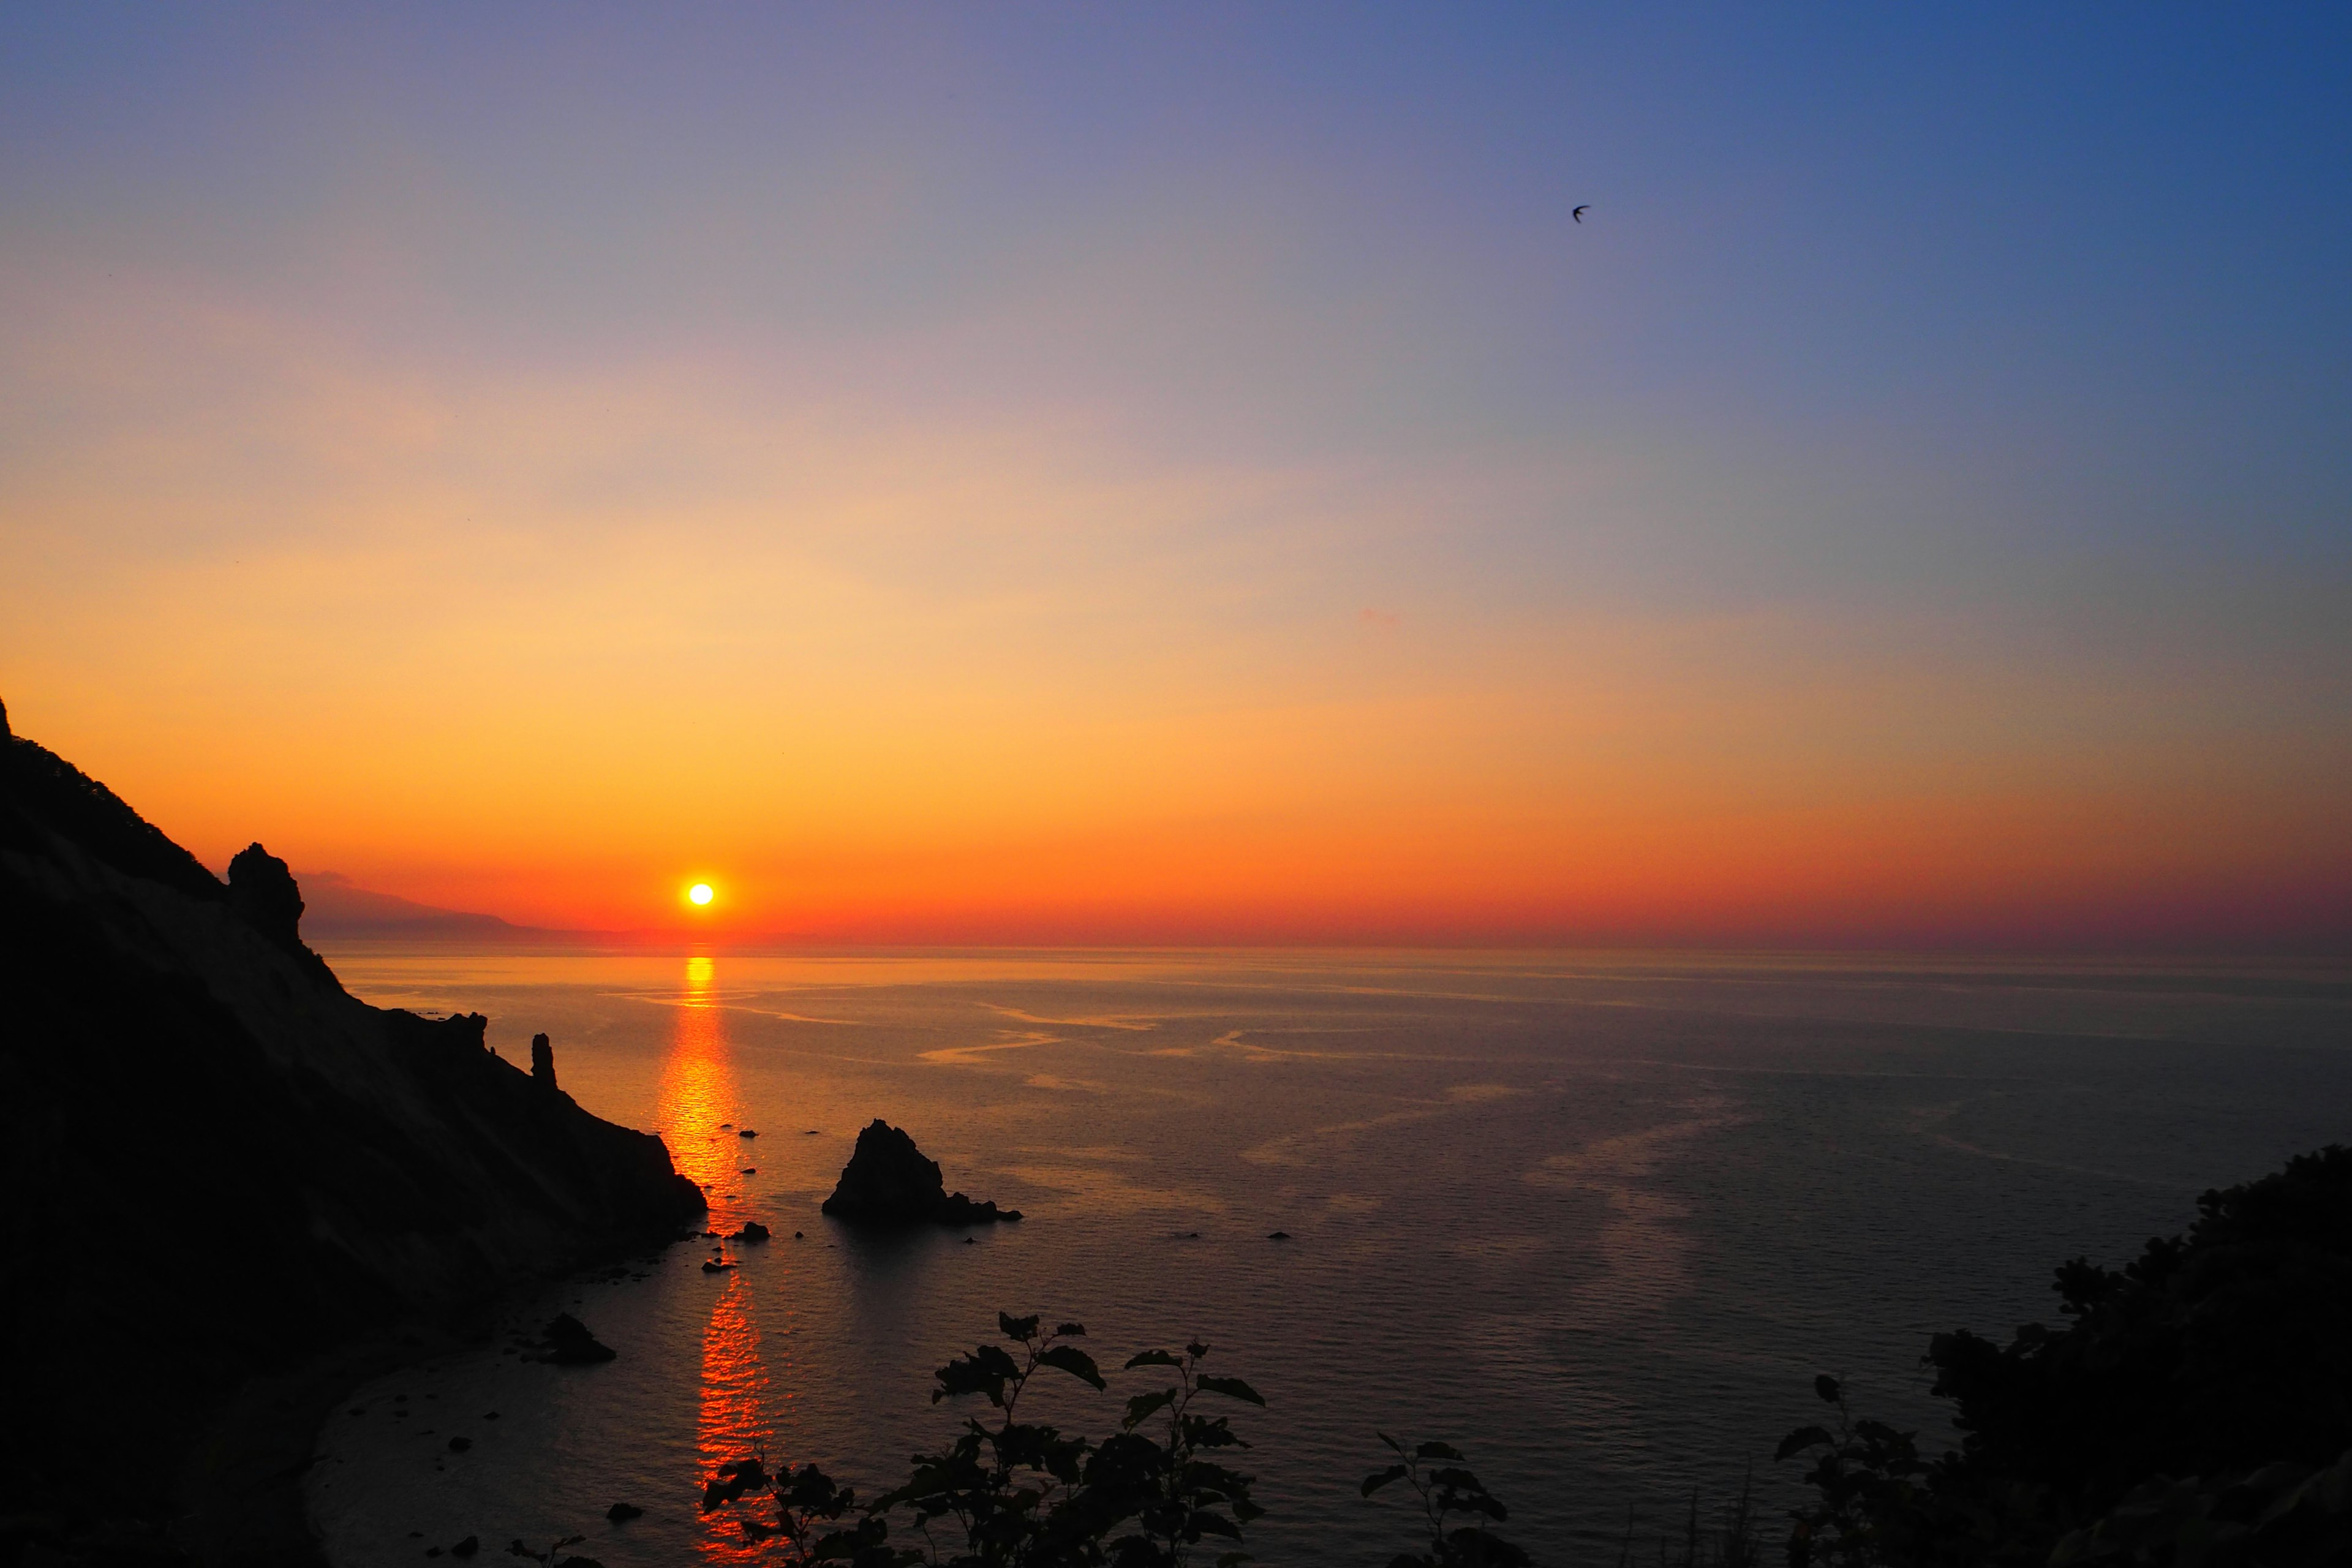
(889, 1182)
(217, 1162)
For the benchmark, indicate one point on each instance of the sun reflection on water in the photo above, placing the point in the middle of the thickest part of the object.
(700, 1112)
(733, 1423)
(701, 1117)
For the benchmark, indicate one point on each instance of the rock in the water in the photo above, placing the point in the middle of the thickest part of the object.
(889, 1182)
(709, 1267)
(747, 1133)
(458, 1445)
(569, 1343)
(752, 1231)
(466, 1547)
(1278, 1235)
(542, 1062)
(622, 1512)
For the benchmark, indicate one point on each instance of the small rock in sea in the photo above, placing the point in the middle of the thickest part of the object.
(710, 1268)
(415, 1535)
(812, 1133)
(889, 1182)
(358, 1409)
(752, 1231)
(580, 1563)
(466, 1547)
(727, 1124)
(710, 1235)
(432, 1551)
(622, 1512)
(798, 1236)
(571, 1344)
(1278, 1235)
(747, 1133)
(459, 1444)
(399, 1399)
(968, 1241)
(491, 1415)
(1191, 1235)
(749, 1171)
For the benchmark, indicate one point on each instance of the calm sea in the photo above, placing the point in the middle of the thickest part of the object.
(1597, 1219)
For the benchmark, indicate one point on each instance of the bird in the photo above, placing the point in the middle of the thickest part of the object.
(1579, 213)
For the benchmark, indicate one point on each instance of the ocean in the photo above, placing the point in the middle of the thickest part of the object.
(1597, 1219)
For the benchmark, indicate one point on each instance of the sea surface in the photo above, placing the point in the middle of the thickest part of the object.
(1597, 1219)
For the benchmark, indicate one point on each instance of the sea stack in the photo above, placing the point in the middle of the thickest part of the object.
(888, 1182)
(543, 1063)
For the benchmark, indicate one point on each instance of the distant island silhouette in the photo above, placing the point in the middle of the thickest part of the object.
(297, 1174)
(339, 907)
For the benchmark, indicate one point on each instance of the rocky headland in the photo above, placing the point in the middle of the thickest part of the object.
(221, 1168)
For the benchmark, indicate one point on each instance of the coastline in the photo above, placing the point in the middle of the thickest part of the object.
(239, 1495)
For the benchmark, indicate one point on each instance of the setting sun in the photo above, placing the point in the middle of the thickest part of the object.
(699, 894)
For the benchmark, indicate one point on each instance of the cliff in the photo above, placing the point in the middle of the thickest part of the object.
(217, 1162)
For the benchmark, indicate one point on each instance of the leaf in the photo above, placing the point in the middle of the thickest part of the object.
(1379, 1479)
(1827, 1387)
(1151, 1358)
(1438, 1451)
(1141, 1406)
(1394, 1445)
(1017, 1328)
(1232, 1388)
(1070, 1330)
(1074, 1360)
(1196, 1349)
(1803, 1438)
(1216, 1524)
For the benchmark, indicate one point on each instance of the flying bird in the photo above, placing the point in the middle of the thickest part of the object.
(1578, 214)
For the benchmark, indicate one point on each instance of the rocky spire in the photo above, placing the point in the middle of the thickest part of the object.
(263, 891)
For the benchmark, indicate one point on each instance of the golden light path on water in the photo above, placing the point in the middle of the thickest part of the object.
(700, 1118)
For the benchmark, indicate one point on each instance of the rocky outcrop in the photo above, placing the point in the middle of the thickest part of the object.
(263, 891)
(543, 1063)
(302, 1171)
(889, 1182)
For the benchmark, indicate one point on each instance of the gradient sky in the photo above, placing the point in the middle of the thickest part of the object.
(1114, 473)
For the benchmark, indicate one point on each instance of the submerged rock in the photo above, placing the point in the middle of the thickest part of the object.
(889, 1182)
(569, 1343)
(752, 1231)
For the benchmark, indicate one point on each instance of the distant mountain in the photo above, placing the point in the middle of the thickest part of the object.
(220, 1172)
(334, 906)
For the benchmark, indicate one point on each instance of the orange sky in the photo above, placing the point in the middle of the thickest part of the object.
(933, 496)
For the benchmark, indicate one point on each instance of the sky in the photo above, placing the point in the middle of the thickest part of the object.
(1182, 474)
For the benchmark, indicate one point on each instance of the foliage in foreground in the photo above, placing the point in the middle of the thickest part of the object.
(1161, 1491)
(2196, 1410)
(1010, 1492)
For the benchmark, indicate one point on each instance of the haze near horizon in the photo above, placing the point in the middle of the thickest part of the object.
(1183, 476)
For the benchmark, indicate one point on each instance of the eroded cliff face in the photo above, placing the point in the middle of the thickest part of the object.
(215, 1159)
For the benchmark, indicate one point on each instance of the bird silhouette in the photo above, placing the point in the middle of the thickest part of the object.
(1578, 214)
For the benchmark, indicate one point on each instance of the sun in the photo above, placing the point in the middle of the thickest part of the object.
(699, 894)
